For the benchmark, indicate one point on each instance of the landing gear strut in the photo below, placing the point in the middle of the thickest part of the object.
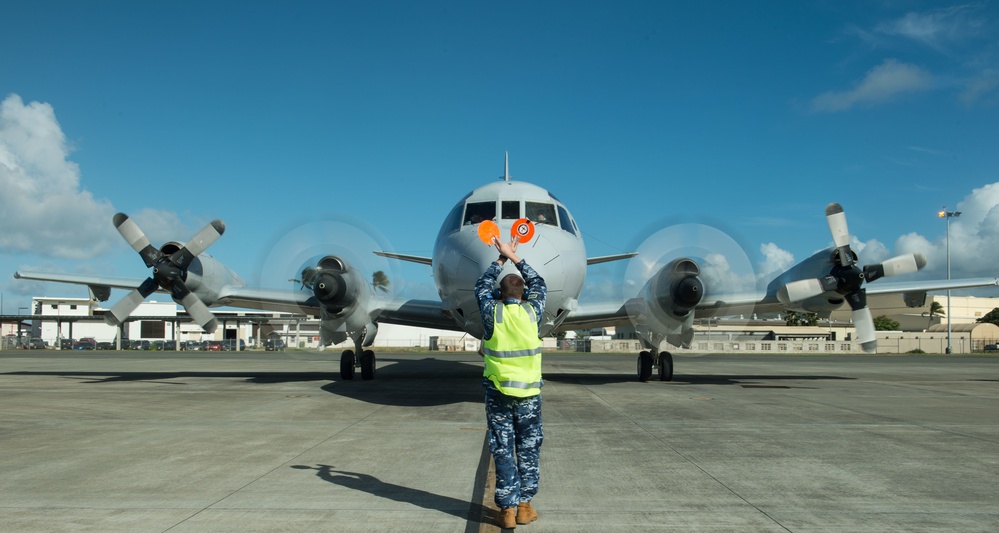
(664, 363)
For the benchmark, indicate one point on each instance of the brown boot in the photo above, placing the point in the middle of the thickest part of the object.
(525, 513)
(507, 518)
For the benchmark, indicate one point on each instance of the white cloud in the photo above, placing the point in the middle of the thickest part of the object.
(722, 277)
(982, 86)
(974, 240)
(974, 243)
(934, 28)
(45, 210)
(775, 260)
(869, 252)
(882, 84)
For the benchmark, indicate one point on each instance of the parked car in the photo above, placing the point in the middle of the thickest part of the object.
(140, 345)
(105, 346)
(991, 347)
(230, 345)
(36, 344)
(213, 346)
(272, 345)
(66, 344)
(85, 344)
(170, 345)
(191, 345)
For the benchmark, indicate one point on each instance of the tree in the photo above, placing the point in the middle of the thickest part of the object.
(883, 323)
(991, 317)
(380, 281)
(935, 310)
(794, 318)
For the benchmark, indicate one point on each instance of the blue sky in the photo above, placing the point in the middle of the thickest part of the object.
(284, 118)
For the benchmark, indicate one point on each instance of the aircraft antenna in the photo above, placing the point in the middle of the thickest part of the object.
(506, 167)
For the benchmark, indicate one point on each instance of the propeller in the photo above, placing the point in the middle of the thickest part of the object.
(847, 279)
(706, 263)
(296, 248)
(169, 272)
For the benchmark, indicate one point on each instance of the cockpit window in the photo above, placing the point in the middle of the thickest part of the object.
(510, 210)
(541, 213)
(479, 211)
(565, 221)
(453, 220)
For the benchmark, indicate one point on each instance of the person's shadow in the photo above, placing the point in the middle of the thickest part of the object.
(472, 511)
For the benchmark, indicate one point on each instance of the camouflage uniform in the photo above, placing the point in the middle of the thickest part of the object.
(515, 429)
(514, 425)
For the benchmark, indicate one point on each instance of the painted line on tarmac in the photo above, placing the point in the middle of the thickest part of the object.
(482, 511)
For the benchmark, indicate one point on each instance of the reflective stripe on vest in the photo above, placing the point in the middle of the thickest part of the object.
(513, 353)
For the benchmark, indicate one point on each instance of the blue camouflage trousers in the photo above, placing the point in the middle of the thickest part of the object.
(515, 436)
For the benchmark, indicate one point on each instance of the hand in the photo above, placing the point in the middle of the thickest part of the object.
(508, 250)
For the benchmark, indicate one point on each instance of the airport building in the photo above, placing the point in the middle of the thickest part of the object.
(59, 321)
(920, 330)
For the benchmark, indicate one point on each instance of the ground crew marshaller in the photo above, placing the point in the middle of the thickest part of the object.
(512, 379)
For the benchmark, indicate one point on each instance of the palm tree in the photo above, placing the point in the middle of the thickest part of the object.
(380, 281)
(794, 318)
(935, 309)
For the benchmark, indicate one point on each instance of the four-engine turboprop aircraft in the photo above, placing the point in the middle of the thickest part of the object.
(663, 306)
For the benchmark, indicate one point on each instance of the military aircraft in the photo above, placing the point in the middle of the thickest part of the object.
(666, 296)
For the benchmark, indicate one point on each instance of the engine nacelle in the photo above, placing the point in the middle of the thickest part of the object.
(205, 276)
(676, 289)
(662, 310)
(334, 283)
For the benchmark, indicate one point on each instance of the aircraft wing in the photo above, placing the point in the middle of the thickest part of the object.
(418, 313)
(81, 279)
(616, 313)
(279, 300)
(595, 315)
(406, 312)
(933, 285)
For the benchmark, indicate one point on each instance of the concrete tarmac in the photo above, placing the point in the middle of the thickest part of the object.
(275, 441)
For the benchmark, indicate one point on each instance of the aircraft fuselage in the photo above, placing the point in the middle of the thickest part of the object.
(556, 250)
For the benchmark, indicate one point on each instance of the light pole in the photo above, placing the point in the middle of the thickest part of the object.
(20, 341)
(948, 215)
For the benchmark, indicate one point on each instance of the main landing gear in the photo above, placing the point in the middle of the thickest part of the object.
(664, 363)
(348, 362)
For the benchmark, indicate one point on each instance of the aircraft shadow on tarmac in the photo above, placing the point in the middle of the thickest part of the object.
(411, 383)
(420, 498)
(170, 378)
(423, 383)
(746, 381)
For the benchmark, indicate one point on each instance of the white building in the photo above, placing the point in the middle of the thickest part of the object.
(80, 318)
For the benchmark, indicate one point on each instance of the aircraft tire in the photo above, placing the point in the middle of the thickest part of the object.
(644, 366)
(368, 364)
(665, 366)
(347, 364)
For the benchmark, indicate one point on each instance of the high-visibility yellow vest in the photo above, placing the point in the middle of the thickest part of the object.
(513, 353)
